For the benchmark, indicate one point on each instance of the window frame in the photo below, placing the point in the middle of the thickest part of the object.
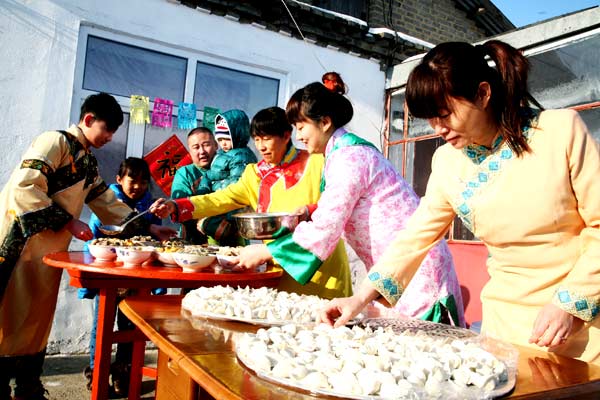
(136, 132)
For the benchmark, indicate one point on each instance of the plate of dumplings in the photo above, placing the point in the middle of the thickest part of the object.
(261, 306)
(361, 362)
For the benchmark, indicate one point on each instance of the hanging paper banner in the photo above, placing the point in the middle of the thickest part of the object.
(162, 112)
(186, 116)
(208, 120)
(165, 159)
(139, 107)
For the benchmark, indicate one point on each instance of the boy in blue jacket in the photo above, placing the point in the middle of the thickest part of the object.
(132, 188)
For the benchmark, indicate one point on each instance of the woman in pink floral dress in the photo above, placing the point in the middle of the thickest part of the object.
(365, 201)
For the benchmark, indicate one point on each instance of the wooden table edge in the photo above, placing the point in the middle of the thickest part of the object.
(211, 385)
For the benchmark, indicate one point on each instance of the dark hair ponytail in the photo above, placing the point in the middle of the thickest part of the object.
(315, 101)
(455, 69)
(512, 94)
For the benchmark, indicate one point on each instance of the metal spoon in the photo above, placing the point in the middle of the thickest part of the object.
(111, 230)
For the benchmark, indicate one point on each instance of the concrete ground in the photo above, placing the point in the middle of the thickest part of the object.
(64, 380)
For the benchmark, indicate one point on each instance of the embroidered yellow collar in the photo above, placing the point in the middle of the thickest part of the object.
(478, 153)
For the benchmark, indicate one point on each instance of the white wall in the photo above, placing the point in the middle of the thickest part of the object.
(39, 41)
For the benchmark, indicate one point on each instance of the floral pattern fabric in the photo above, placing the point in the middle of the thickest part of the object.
(367, 202)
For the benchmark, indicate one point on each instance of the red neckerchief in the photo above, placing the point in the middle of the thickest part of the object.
(291, 169)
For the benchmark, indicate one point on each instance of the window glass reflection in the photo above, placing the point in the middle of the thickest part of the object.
(396, 117)
(124, 70)
(567, 76)
(226, 89)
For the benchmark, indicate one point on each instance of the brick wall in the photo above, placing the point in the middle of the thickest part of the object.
(434, 21)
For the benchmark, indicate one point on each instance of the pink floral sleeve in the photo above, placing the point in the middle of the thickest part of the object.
(346, 172)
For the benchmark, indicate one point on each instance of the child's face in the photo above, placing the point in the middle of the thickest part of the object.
(225, 144)
(134, 188)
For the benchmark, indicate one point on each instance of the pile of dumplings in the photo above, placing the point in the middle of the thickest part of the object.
(262, 304)
(372, 363)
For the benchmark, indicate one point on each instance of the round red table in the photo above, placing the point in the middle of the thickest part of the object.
(107, 277)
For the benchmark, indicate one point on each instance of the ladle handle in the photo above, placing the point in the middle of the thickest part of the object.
(137, 216)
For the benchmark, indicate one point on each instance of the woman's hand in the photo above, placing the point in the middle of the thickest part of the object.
(341, 310)
(79, 229)
(252, 256)
(302, 213)
(162, 208)
(553, 326)
(162, 232)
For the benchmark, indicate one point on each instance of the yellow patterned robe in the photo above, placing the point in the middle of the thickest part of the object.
(538, 215)
(56, 176)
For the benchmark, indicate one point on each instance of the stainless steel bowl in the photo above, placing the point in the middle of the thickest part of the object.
(262, 226)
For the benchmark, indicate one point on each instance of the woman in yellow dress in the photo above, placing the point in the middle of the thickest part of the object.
(524, 181)
(285, 179)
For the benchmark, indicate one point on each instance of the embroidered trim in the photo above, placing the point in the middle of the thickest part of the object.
(84, 167)
(37, 164)
(478, 153)
(485, 174)
(95, 192)
(10, 251)
(489, 166)
(52, 217)
(389, 287)
(578, 305)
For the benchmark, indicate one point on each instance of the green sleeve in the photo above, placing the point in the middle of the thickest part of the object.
(300, 263)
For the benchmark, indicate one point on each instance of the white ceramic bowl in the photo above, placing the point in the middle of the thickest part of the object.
(226, 261)
(102, 252)
(193, 262)
(134, 255)
(166, 257)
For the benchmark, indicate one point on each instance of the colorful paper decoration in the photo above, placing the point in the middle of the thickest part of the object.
(139, 109)
(186, 116)
(165, 159)
(208, 120)
(162, 112)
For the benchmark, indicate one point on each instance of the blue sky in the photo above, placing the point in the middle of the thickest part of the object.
(525, 12)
